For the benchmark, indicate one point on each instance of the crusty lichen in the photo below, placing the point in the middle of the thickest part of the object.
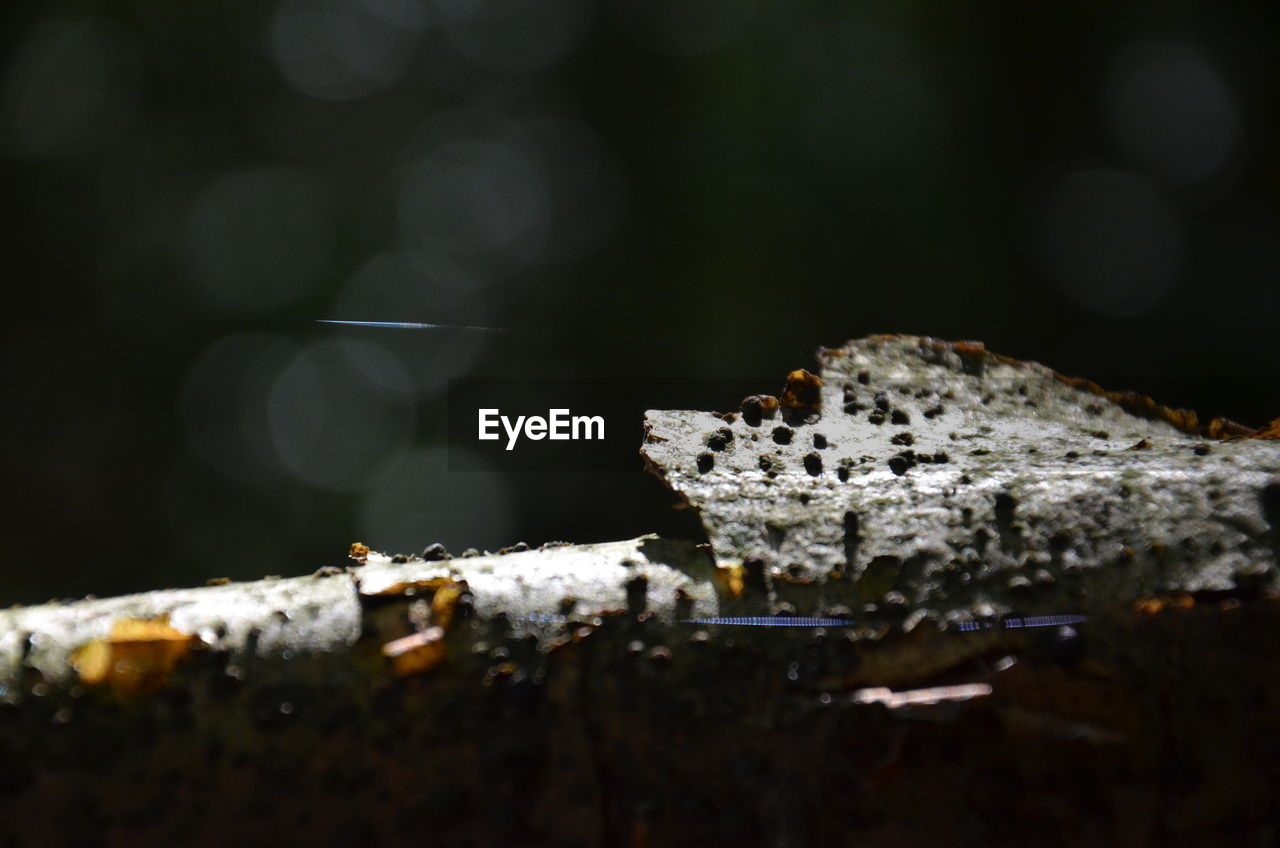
(565, 687)
(943, 479)
(324, 616)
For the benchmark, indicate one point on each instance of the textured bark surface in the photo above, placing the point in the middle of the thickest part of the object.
(967, 483)
(271, 623)
(558, 696)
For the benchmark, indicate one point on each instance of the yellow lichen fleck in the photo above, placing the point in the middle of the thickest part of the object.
(411, 587)
(444, 601)
(733, 575)
(417, 652)
(137, 655)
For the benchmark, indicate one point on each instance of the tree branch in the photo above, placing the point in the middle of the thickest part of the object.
(561, 696)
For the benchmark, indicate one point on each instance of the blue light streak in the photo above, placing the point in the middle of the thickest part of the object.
(411, 325)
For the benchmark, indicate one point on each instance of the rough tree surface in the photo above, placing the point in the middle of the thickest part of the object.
(969, 484)
(560, 696)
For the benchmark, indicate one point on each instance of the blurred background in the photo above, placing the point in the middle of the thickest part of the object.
(644, 187)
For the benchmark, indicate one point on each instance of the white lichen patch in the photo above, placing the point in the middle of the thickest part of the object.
(540, 591)
(301, 615)
(954, 478)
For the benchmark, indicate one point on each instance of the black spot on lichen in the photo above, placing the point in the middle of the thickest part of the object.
(900, 417)
(782, 435)
(435, 552)
(757, 407)
(1010, 538)
(864, 377)
(1270, 501)
(851, 537)
(876, 417)
(813, 464)
(819, 441)
(637, 594)
(720, 439)
(798, 572)
(753, 577)
(900, 463)
(1006, 504)
(904, 438)
(842, 469)
(684, 603)
(706, 461)
(1059, 543)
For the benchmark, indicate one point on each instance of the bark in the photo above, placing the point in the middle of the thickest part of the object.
(970, 484)
(561, 696)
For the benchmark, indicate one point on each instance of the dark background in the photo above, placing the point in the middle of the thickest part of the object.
(673, 188)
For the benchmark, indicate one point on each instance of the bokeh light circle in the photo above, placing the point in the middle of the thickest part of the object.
(258, 240)
(333, 422)
(1111, 242)
(344, 49)
(1172, 113)
(70, 86)
(225, 400)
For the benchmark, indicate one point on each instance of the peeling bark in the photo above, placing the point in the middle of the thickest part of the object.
(321, 618)
(559, 696)
(971, 484)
